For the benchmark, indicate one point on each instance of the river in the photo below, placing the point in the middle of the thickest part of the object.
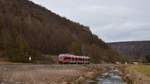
(111, 77)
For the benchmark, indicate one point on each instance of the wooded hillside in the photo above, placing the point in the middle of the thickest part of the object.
(27, 29)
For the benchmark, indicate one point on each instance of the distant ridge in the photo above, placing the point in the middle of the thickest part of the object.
(135, 50)
(129, 41)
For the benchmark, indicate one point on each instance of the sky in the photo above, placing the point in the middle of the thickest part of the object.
(111, 20)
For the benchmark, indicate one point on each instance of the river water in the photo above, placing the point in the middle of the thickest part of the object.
(111, 77)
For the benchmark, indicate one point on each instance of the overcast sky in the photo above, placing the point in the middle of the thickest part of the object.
(111, 20)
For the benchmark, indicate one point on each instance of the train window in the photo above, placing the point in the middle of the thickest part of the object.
(76, 58)
(66, 58)
(61, 57)
(73, 58)
(80, 59)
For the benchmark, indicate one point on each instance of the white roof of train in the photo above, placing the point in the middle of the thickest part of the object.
(74, 56)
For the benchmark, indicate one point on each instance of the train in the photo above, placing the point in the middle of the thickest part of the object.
(73, 59)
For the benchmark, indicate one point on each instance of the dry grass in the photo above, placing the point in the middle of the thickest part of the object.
(46, 74)
(138, 74)
(5, 62)
(141, 68)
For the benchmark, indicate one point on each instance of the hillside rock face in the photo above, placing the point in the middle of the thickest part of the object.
(27, 29)
(136, 50)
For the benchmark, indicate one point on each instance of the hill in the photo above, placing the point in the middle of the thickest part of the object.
(135, 50)
(27, 29)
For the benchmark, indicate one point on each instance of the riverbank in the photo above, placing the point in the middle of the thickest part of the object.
(137, 74)
(49, 74)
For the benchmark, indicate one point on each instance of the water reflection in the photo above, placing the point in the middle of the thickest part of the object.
(112, 77)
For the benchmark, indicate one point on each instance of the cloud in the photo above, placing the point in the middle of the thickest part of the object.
(111, 20)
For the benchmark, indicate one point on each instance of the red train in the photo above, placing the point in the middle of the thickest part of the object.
(73, 59)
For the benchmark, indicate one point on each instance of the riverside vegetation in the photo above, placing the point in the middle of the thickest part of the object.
(137, 74)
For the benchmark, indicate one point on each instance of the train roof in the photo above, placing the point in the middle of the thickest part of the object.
(71, 55)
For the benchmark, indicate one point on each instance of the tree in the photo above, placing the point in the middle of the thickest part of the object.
(75, 48)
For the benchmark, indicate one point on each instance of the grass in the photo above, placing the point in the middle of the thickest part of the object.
(145, 69)
(137, 74)
(44, 74)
